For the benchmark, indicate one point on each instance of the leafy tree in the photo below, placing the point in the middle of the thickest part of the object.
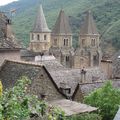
(107, 99)
(17, 104)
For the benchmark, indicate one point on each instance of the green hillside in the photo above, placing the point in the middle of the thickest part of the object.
(106, 13)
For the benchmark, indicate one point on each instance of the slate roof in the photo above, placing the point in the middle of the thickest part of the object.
(40, 24)
(71, 77)
(71, 107)
(88, 27)
(86, 88)
(62, 26)
(11, 70)
(117, 116)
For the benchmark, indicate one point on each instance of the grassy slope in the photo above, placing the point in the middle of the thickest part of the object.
(106, 14)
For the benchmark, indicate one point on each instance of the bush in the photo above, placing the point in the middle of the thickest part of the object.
(106, 99)
(17, 104)
(86, 116)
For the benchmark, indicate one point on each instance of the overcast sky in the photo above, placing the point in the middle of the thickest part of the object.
(4, 2)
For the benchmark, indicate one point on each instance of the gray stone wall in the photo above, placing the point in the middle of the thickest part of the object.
(41, 81)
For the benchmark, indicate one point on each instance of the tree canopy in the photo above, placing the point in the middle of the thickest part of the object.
(106, 99)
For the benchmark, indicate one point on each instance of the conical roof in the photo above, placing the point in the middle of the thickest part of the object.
(62, 25)
(40, 23)
(89, 26)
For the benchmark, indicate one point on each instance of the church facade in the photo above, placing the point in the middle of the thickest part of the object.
(58, 42)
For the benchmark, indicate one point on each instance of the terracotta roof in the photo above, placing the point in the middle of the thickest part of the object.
(89, 26)
(71, 107)
(40, 23)
(62, 25)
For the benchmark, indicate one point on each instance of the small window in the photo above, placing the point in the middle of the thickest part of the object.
(32, 36)
(38, 37)
(83, 42)
(45, 37)
(93, 42)
(65, 42)
(67, 58)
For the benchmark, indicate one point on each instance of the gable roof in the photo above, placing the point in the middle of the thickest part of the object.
(29, 69)
(72, 76)
(40, 24)
(89, 27)
(62, 26)
(59, 74)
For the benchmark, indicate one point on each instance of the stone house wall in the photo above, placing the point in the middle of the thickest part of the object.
(41, 81)
(78, 95)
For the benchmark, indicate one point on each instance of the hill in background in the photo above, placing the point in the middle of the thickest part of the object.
(106, 14)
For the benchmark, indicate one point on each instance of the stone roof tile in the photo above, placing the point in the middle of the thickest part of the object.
(62, 25)
(40, 23)
(89, 26)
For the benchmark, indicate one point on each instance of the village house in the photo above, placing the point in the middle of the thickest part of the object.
(9, 49)
(45, 86)
(58, 72)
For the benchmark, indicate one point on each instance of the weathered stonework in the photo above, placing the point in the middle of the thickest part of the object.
(42, 83)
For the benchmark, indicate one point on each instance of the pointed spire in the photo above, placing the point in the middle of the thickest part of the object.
(40, 23)
(62, 25)
(89, 26)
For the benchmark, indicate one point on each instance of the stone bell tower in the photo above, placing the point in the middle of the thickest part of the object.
(40, 35)
(61, 40)
(89, 53)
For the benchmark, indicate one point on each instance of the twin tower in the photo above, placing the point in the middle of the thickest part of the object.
(58, 42)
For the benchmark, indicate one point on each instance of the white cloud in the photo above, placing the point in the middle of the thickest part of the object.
(4, 2)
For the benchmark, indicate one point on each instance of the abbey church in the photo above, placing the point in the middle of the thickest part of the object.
(58, 42)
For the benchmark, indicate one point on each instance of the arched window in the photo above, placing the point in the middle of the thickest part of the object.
(38, 37)
(93, 42)
(65, 42)
(67, 58)
(45, 37)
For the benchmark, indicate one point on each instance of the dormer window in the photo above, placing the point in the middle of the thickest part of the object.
(65, 89)
(66, 42)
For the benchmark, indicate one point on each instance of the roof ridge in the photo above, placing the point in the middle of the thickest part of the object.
(23, 62)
